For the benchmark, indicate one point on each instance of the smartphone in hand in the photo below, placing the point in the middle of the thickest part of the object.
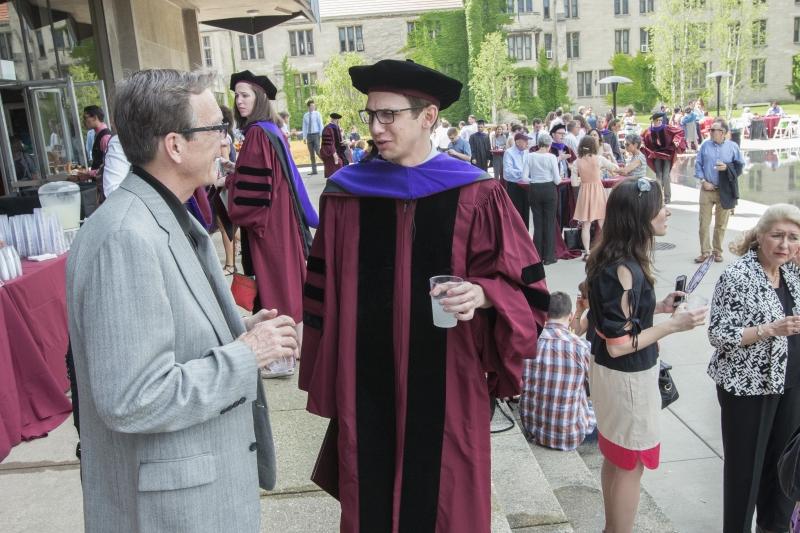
(680, 285)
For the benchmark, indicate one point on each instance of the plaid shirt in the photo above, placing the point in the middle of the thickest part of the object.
(554, 409)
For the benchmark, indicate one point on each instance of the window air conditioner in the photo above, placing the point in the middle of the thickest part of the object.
(548, 54)
(644, 48)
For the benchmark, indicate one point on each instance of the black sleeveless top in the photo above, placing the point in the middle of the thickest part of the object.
(605, 302)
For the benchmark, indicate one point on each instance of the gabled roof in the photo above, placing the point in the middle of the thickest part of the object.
(346, 8)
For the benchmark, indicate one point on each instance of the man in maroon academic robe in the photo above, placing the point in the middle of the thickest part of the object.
(332, 151)
(661, 143)
(408, 448)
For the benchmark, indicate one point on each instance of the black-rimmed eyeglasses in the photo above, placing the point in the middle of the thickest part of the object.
(222, 129)
(384, 116)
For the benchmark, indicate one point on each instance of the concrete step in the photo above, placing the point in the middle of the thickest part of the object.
(574, 477)
(520, 484)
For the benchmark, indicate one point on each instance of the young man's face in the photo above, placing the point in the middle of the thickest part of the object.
(399, 140)
(89, 121)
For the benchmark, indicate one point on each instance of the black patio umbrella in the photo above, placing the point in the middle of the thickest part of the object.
(250, 25)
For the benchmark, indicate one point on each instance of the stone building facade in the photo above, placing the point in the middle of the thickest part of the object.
(583, 34)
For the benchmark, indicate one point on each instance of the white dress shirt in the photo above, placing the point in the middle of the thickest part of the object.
(116, 166)
(540, 168)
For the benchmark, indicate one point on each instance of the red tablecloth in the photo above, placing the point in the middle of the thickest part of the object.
(33, 346)
(770, 123)
(565, 188)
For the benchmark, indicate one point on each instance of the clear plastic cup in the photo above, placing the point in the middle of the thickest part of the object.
(696, 301)
(441, 318)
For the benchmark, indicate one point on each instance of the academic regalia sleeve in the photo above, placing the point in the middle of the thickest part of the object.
(328, 303)
(251, 185)
(502, 259)
(328, 142)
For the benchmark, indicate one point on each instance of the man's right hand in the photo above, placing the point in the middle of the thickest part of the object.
(708, 186)
(272, 340)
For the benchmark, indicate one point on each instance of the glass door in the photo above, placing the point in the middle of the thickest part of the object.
(54, 133)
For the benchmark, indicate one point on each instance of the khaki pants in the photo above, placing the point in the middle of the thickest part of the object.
(709, 200)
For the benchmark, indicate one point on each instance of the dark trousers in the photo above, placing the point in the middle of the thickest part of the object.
(663, 168)
(542, 198)
(755, 430)
(519, 197)
(313, 142)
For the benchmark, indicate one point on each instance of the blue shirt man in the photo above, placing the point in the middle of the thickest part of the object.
(513, 159)
(712, 158)
(312, 130)
(716, 149)
(461, 146)
(312, 122)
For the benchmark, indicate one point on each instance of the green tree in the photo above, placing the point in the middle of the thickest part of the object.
(440, 42)
(493, 78)
(641, 93)
(551, 84)
(732, 40)
(482, 17)
(85, 53)
(794, 87)
(526, 104)
(335, 93)
(295, 100)
(679, 37)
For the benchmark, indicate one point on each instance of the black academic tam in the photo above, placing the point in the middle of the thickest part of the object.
(408, 78)
(261, 81)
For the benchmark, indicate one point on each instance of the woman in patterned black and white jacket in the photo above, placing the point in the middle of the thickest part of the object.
(756, 366)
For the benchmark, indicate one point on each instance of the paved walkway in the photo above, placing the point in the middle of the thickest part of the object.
(40, 481)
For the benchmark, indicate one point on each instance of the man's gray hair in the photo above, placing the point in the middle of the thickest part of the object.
(722, 123)
(633, 138)
(544, 140)
(152, 103)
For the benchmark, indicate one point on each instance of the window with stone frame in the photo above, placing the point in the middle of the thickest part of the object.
(305, 85)
(301, 43)
(584, 84)
(573, 45)
(758, 71)
(604, 89)
(621, 7)
(571, 9)
(622, 42)
(759, 33)
(6, 48)
(351, 39)
(251, 47)
(207, 52)
(520, 46)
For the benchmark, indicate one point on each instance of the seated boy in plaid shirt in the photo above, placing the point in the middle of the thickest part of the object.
(554, 408)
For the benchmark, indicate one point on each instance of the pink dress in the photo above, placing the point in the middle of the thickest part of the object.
(591, 203)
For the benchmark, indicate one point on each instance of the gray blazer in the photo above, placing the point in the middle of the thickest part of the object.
(166, 392)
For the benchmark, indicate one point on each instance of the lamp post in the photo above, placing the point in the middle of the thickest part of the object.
(719, 75)
(614, 81)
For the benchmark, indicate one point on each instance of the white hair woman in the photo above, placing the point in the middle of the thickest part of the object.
(756, 366)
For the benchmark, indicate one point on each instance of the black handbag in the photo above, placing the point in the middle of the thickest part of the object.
(572, 238)
(666, 385)
(789, 468)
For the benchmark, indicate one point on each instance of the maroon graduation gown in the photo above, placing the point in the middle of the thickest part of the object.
(331, 143)
(667, 144)
(411, 401)
(260, 201)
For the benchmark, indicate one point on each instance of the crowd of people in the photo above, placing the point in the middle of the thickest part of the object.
(165, 443)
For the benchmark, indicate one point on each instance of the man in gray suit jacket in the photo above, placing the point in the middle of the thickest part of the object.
(167, 370)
